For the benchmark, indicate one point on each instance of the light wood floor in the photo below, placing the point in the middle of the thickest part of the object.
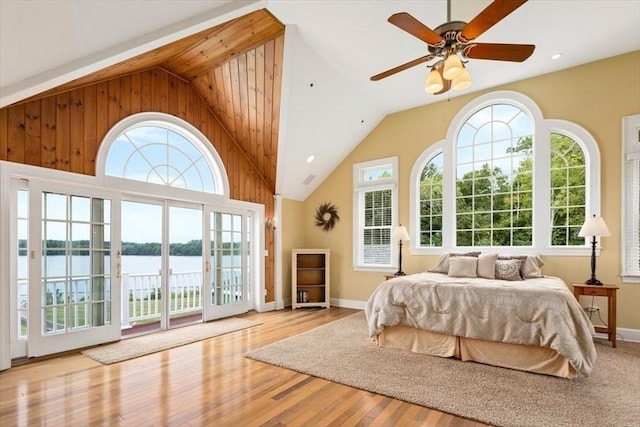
(206, 383)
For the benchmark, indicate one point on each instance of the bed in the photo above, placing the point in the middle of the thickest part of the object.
(532, 324)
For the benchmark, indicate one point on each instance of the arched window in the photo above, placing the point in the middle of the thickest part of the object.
(567, 191)
(161, 149)
(505, 178)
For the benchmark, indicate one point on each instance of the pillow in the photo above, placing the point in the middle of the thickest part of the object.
(463, 266)
(443, 263)
(487, 266)
(530, 267)
(508, 269)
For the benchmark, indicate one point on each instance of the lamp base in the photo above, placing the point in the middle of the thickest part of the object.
(402, 273)
(593, 282)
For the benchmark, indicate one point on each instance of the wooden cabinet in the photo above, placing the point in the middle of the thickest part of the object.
(310, 272)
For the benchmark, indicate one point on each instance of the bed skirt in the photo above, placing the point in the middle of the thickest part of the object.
(514, 356)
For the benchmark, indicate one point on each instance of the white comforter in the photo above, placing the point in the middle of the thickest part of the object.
(541, 312)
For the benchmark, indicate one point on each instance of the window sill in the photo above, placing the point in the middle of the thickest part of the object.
(630, 279)
(378, 268)
(577, 251)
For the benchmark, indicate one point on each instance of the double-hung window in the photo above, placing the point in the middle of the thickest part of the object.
(375, 212)
(631, 199)
(505, 178)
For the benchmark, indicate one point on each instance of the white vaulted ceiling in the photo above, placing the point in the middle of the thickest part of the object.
(331, 49)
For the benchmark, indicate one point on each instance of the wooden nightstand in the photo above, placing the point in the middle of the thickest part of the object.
(608, 291)
(390, 276)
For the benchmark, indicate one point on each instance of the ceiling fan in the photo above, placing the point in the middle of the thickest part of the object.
(452, 44)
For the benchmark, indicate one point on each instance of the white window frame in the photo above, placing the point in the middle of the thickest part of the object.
(542, 130)
(630, 229)
(360, 187)
(167, 121)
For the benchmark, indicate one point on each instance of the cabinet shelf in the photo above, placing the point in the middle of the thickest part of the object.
(310, 278)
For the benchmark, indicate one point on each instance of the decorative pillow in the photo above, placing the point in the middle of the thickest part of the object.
(487, 266)
(443, 263)
(508, 269)
(463, 266)
(530, 267)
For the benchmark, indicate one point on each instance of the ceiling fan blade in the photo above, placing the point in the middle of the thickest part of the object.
(499, 51)
(411, 25)
(490, 16)
(402, 67)
(446, 84)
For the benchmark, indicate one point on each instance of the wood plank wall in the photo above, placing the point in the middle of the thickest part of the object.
(64, 132)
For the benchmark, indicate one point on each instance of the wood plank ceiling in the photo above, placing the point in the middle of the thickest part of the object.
(236, 68)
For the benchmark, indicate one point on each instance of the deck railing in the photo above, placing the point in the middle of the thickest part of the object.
(142, 295)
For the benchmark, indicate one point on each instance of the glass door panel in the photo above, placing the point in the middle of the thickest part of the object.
(20, 273)
(70, 274)
(227, 285)
(142, 279)
(185, 265)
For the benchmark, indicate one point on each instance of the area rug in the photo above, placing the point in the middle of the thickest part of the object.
(152, 343)
(341, 351)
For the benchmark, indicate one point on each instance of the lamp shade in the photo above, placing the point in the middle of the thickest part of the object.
(452, 67)
(434, 82)
(594, 226)
(400, 233)
(463, 80)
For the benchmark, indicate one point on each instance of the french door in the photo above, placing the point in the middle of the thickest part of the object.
(68, 268)
(229, 265)
(73, 278)
(162, 263)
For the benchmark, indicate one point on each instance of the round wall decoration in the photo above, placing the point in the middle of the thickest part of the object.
(326, 216)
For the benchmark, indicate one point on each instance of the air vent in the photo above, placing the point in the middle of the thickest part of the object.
(309, 179)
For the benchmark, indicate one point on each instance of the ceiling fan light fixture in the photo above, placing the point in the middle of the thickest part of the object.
(463, 81)
(452, 67)
(434, 82)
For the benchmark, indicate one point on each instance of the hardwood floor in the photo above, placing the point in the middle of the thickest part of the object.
(205, 383)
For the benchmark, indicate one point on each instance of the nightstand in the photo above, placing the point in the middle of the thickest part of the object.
(390, 276)
(608, 291)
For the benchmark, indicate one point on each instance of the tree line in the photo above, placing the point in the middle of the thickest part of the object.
(191, 248)
(495, 208)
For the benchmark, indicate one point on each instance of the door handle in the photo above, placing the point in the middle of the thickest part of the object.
(118, 271)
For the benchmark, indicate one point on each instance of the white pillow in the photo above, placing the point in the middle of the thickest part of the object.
(463, 266)
(487, 266)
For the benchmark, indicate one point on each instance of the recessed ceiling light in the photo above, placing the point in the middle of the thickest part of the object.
(310, 158)
(556, 55)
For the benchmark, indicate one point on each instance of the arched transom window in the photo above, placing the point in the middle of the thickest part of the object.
(160, 155)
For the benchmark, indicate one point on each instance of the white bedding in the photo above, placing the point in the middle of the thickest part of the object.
(541, 312)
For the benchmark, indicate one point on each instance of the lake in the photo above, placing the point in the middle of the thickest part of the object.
(80, 265)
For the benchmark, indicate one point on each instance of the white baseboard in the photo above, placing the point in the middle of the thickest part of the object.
(348, 303)
(267, 306)
(624, 334)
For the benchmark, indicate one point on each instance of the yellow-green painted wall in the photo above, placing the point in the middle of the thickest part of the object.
(595, 96)
(293, 237)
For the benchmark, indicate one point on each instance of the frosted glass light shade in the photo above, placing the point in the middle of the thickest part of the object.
(463, 81)
(434, 82)
(452, 67)
(594, 226)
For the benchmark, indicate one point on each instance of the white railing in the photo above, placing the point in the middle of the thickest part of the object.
(142, 295)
